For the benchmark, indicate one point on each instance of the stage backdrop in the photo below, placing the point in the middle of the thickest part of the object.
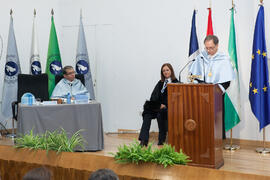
(128, 41)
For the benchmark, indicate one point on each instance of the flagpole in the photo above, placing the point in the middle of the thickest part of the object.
(263, 150)
(12, 135)
(233, 5)
(230, 146)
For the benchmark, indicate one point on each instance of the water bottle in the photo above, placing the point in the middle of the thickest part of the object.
(68, 98)
(30, 100)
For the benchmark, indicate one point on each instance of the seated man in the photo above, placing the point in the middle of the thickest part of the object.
(69, 84)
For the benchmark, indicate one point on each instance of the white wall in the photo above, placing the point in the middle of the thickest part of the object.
(128, 41)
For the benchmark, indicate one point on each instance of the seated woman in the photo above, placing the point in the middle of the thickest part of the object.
(157, 107)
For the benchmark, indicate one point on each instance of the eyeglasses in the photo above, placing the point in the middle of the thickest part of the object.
(210, 48)
(69, 73)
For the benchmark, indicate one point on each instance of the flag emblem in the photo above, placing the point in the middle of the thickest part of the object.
(56, 67)
(82, 67)
(36, 67)
(11, 68)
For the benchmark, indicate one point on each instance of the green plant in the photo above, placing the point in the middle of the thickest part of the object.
(134, 153)
(56, 141)
(168, 156)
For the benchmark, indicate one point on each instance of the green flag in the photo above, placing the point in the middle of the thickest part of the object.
(54, 65)
(232, 95)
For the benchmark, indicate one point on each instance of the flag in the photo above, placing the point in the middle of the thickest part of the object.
(193, 43)
(12, 69)
(209, 24)
(259, 96)
(82, 61)
(35, 66)
(232, 95)
(54, 65)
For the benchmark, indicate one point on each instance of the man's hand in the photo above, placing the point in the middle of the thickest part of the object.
(162, 106)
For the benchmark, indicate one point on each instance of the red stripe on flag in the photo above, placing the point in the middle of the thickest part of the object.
(209, 25)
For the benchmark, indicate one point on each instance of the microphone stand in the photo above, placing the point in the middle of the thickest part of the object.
(184, 68)
(203, 70)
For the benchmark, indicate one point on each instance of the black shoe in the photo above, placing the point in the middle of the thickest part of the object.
(144, 143)
(160, 143)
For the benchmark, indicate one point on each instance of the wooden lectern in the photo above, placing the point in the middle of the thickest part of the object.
(195, 122)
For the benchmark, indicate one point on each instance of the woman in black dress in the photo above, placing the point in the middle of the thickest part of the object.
(157, 107)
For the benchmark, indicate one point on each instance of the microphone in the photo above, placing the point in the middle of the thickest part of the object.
(184, 68)
(70, 84)
(203, 70)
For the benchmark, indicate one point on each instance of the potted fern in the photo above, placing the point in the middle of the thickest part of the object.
(56, 141)
(134, 153)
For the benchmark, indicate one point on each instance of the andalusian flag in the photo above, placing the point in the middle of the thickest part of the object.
(54, 65)
(232, 95)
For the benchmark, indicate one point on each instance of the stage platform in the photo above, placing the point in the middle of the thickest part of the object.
(241, 164)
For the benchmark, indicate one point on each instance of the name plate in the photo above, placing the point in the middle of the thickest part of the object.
(49, 103)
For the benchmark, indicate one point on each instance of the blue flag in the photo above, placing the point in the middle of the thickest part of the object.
(193, 43)
(259, 80)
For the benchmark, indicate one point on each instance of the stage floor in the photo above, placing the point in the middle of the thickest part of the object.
(244, 160)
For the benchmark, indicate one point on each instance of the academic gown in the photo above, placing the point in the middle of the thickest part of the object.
(157, 98)
(64, 87)
(217, 69)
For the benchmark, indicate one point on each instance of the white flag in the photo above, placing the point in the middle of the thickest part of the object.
(35, 66)
(82, 61)
(12, 69)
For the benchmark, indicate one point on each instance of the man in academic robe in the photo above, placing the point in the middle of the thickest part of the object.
(212, 66)
(69, 84)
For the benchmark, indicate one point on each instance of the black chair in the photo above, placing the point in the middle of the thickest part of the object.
(35, 84)
(77, 76)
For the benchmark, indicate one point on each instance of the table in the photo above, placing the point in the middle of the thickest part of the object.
(71, 117)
